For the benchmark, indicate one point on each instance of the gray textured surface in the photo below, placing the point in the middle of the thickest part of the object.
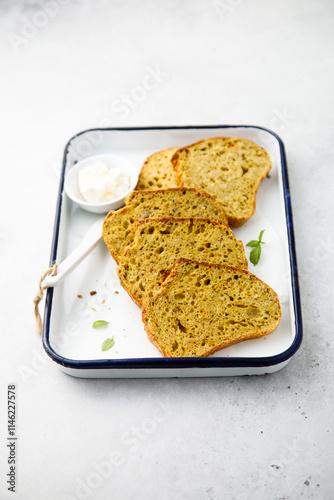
(65, 67)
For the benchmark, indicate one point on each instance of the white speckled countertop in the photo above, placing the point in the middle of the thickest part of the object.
(72, 65)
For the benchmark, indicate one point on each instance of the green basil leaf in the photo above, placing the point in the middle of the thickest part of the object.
(108, 344)
(253, 243)
(99, 323)
(255, 255)
(260, 237)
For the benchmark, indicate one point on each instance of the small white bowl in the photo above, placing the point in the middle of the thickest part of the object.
(111, 161)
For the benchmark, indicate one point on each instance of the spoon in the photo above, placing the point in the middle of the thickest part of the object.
(94, 234)
(90, 240)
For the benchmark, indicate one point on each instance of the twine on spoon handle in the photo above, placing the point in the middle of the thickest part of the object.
(39, 325)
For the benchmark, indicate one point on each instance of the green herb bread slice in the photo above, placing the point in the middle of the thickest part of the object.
(230, 169)
(119, 227)
(204, 307)
(157, 171)
(158, 243)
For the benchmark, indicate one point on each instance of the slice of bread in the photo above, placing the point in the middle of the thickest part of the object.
(119, 227)
(158, 243)
(204, 307)
(230, 169)
(157, 171)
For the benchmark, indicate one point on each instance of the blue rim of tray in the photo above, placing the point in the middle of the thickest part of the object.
(189, 362)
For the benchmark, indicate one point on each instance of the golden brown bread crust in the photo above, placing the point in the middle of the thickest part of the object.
(240, 179)
(164, 337)
(157, 172)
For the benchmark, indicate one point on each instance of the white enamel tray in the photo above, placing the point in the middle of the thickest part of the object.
(68, 336)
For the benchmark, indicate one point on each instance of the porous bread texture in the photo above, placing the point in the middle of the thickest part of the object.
(158, 243)
(119, 227)
(230, 169)
(204, 307)
(157, 171)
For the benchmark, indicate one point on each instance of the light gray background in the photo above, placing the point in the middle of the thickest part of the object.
(64, 68)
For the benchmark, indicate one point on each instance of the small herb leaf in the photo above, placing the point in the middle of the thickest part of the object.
(255, 254)
(260, 237)
(108, 344)
(100, 323)
(253, 243)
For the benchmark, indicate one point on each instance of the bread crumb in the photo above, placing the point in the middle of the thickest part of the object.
(93, 292)
(152, 177)
(215, 242)
(231, 180)
(79, 296)
(175, 336)
(103, 301)
(117, 292)
(119, 232)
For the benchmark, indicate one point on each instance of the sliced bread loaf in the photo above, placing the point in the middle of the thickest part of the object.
(204, 307)
(157, 171)
(158, 243)
(119, 227)
(230, 169)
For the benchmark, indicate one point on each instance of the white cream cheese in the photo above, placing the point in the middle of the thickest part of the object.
(97, 183)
